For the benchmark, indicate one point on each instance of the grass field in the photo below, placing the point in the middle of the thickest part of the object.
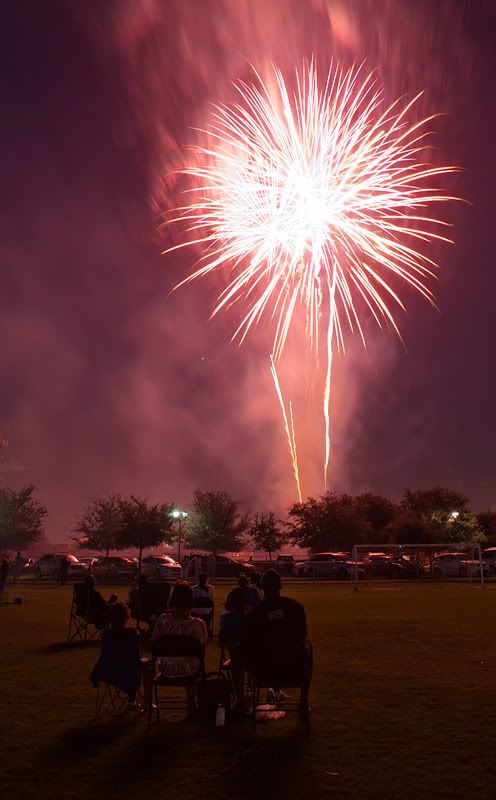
(404, 706)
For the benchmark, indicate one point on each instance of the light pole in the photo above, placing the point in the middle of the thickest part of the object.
(180, 516)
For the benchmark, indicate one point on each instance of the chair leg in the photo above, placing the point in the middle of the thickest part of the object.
(256, 693)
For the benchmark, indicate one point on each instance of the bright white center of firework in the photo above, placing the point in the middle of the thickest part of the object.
(306, 226)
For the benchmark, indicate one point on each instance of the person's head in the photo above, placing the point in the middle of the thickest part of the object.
(18, 552)
(181, 599)
(255, 577)
(89, 581)
(202, 579)
(243, 581)
(236, 600)
(271, 583)
(118, 615)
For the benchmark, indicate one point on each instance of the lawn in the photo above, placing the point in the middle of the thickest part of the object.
(404, 706)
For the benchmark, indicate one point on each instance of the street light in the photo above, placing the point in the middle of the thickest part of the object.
(455, 514)
(179, 516)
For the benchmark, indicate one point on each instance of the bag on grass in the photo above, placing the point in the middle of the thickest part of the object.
(213, 692)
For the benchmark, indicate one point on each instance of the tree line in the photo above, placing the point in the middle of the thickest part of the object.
(216, 522)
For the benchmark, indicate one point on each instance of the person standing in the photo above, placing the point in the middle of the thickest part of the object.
(211, 565)
(203, 602)
(18, 566)
(197, 566)
(4, 573)
(64, 570)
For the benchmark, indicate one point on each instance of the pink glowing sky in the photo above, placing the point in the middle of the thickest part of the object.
(108, 383)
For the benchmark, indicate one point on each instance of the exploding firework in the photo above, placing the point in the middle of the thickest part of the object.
(316, 198)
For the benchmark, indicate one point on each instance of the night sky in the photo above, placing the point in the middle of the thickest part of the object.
(110, 384)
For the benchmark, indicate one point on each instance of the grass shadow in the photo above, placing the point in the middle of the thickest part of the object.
(234, 760)
(84, 742)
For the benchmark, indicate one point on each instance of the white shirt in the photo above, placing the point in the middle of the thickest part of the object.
(168, 625)
(202, 591)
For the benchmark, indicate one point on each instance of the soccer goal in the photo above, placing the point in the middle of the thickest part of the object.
(418, 561)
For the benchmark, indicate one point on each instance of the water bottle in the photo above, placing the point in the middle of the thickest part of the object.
(220, 717)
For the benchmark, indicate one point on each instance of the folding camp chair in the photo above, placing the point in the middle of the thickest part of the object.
(80, 624)
(173, 646)
(203, 608)
(294, 672)
(118, 673)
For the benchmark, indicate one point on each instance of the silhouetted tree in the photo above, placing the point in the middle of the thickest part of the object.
(377, 511)
(442, 514)
(486, 520)
(101, 525)
(216, 523)
(266, 533)
(21, 518)
(330, 522)
(145, 525)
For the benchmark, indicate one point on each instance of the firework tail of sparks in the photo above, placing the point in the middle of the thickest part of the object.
(288, 426)
(317, 198)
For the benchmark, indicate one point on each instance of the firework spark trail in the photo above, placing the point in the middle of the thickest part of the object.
(319, 199)
(289, 427)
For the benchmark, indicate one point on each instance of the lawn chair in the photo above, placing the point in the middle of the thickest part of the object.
(117, 674)
(203, 608)
(292, 672)
(82, 625)
(173, 646)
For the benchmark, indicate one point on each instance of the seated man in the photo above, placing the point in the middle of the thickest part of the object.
(119, 662)
(203, 601)
(149, 599)
(253, 592)
(274, 640)
(231, 622)
(180, 623)
(90, 604)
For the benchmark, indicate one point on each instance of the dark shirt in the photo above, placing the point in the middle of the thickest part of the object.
(274, 632)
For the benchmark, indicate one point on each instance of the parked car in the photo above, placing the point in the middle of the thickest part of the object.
(285, 564)
(111, 568)
(160, 567)
(489, 557)
(380, 565)
(88, 562)
(326, 565)
(48, 566)
(456, 565)
(225, 567)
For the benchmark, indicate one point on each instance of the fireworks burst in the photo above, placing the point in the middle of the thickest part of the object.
(317, 198)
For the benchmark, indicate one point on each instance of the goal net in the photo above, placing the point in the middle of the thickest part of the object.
(462, 560)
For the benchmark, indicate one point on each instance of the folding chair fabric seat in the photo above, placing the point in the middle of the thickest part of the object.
(120, 661)
(84, 624)
(174, 646)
